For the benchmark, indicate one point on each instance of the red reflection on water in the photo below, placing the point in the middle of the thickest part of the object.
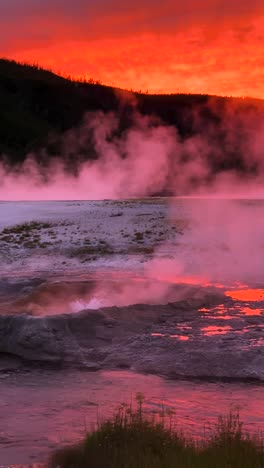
(191, 280)
(246, 294)
(253, 343)
(212, 330)
(220, 310)
(180, 337)
(224, 317)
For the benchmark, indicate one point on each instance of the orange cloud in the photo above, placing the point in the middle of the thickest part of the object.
(196, 46)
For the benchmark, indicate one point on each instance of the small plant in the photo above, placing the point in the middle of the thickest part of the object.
(26, 227)
(101, 248)
(116, 215)
(7, 238)
(139, 236)
(142, 249)
(27, 235)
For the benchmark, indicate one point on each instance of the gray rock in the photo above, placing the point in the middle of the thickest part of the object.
(146, 338)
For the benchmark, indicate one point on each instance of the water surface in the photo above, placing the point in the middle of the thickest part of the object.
(43, 409)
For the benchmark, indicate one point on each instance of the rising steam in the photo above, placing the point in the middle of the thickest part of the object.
(225, 240)
(146, 158)
(133, 164)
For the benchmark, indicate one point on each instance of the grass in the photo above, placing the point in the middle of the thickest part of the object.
(139, 236)
(27, 235)
(26, 228)
(134, 440)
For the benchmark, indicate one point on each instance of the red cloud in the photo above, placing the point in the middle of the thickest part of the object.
(206, 46)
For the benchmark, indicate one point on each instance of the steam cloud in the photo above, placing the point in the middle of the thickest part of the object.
(225, 242)
(146, 158)
(223, 245)
(133, 164)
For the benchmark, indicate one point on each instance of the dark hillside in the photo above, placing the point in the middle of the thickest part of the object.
(37, 107)
(229, 123)
(35, 102)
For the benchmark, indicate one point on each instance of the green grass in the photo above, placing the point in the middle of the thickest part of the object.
(133, 440)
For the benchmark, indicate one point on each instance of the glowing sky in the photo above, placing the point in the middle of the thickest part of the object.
(208, 46)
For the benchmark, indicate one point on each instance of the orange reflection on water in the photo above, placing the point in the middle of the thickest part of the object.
(220, 310)
(249, 311)
(254, 343)
(186, 279)
(212, 330)
(180, 337)
(204, 309)
(246, 294)
(223, 317)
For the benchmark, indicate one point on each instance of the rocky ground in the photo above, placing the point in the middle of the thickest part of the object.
(64, 257)
(208, 337)
(76, 293)
(57, 236)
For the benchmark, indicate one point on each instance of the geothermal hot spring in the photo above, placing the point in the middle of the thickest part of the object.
(102, 299)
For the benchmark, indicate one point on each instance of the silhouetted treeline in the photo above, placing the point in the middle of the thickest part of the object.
(37, 107)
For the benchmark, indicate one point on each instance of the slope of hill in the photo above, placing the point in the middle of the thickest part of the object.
(37, 107)
(35, 102)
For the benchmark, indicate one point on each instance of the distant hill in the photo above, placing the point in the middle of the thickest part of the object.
(36, 102)
(37, 107)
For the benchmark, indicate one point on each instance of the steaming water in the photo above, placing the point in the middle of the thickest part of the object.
(94, 303)
(43, 409)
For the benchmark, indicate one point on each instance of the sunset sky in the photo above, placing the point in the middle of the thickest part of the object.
(196, 46)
